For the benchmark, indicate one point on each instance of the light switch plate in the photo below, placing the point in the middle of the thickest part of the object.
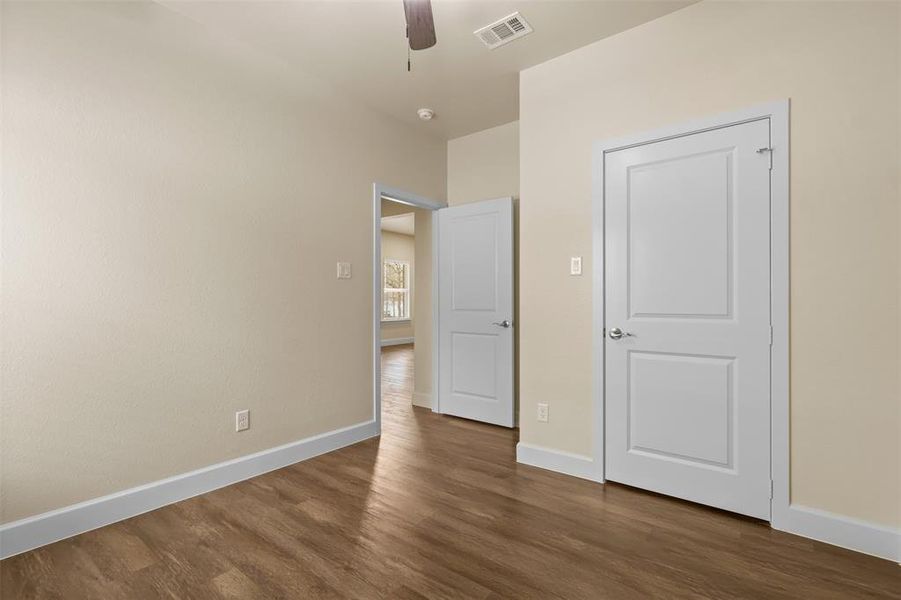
(575, 265)
(343, 270)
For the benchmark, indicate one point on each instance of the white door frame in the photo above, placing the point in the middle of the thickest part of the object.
(380, 191)
(778, 114)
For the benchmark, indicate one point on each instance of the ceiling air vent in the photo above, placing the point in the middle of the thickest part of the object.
(503, 31)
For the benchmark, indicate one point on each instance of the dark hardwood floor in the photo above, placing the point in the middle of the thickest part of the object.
(438, 508)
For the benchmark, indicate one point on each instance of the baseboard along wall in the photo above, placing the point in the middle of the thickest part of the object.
(32, 532)
(397, 341)
(567, 463)
(838, 530)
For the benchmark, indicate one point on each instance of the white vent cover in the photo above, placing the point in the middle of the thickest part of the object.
(503, 31)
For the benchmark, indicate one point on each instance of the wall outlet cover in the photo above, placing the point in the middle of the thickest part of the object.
(343, 270)
(242, 420)
(542, 412)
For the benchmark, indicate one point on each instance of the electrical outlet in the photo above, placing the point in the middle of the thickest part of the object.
(242, 420)
(542, 413)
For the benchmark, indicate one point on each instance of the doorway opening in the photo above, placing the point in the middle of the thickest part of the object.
(451, 298)
(403, 284)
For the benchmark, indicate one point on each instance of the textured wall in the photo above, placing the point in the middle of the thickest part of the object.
(173, 208)
(483, 165)
(838, 63)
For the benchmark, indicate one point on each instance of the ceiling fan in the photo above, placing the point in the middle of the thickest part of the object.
(420, 25)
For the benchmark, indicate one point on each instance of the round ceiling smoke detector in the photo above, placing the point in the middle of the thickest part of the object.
(426, 114)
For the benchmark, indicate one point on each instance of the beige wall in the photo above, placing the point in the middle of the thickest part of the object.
(422, 309)
(838, 62)
(483, 165)
(167, 256)
(398, 246)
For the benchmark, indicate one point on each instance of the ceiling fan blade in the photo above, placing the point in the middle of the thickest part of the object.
(420, 26)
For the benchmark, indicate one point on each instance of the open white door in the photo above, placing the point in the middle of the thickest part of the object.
(475, 311)
(687, 286)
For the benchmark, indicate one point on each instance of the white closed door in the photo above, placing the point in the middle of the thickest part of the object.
(475, 311)
(687, 323)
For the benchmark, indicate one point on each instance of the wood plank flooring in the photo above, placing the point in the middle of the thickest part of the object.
(438, 508)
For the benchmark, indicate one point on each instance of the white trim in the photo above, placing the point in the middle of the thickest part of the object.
(33, 532)
(778, 114)
(377, 305)
(567, 463)
(718, 121)
(422, 399)
(405, 197)
(597, 310)
(853, 534)
(408, 270)
(780, 417)
(397, 341)
(380, 191)
(436, 321)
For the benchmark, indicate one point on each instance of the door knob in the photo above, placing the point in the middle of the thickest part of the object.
(505, 323)
(617, 333)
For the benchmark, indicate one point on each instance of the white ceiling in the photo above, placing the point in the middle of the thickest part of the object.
(360, 47)
(399, 224)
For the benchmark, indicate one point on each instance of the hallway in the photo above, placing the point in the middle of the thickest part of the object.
(397, 381)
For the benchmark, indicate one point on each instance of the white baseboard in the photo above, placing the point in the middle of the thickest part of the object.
(845, 532)
(39, 530)
(421, 399)
(397, 341)
(838, 530)
(567, 463)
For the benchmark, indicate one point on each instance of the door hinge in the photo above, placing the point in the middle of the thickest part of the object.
(771, 335)
(771, 489)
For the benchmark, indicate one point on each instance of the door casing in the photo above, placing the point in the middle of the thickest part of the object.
(778, 115)
(380, 191)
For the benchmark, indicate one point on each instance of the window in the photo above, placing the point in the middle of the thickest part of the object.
(396, 295)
